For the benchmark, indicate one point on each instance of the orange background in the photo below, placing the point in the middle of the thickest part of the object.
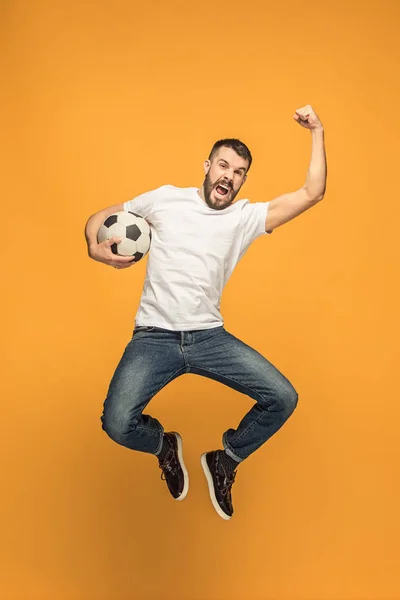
(102, 101)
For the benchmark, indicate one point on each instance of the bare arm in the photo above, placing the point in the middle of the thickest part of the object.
(102, 252)
(316, 176)
(288, 206)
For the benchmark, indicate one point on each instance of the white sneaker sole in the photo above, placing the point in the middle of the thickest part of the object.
(209, 478)
(185, 473)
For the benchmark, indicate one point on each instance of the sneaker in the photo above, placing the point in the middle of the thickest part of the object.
(173, 468)
(219, 483)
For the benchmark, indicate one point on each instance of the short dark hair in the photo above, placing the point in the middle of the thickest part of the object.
(236, 145)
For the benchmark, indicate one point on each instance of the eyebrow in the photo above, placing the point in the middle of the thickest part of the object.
(225, 161)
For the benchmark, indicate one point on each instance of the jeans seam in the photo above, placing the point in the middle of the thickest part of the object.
(250, 426)
(230, 379)
(149, 429)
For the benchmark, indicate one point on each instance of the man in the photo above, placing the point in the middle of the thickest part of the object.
(198, 237)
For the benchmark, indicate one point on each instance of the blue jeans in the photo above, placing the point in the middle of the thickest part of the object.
(155, 356)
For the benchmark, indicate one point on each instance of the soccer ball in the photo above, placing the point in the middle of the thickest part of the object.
(132, 228)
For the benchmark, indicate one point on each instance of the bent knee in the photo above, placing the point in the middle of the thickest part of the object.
(287, 399)
(290, 399)
(117, 428)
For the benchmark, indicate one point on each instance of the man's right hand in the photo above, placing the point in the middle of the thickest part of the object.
(103, 253)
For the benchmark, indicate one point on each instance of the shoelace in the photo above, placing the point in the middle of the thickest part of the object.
(168, 463)
(226, 485)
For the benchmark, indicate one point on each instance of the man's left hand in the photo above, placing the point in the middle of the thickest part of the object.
(307, 117)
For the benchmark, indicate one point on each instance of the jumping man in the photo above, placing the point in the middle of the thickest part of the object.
(198, 237)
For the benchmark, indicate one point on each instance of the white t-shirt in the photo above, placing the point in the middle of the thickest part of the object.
(194, 250)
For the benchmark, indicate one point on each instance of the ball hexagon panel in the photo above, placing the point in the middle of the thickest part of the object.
(116, 230)
(143, 243)
(126, 247)
(134, 231)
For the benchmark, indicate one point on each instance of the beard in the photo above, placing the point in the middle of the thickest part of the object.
(217, 203)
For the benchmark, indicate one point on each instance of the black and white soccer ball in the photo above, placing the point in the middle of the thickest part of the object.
(134, 231)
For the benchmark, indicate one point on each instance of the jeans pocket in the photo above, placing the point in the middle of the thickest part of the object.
(143, 328)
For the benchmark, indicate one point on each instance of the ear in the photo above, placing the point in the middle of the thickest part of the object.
(207, 165)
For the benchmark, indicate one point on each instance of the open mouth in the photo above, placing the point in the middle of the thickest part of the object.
(221, 190)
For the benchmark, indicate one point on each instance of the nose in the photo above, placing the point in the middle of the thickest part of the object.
(228, 178)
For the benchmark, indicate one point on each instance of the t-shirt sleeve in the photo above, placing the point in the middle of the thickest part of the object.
(254, 215)
(144, 204)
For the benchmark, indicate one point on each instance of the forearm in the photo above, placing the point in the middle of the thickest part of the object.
(92, 227)
(316, 177)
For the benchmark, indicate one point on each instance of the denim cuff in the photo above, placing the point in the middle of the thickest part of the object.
(229, 451)
(157, 452)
